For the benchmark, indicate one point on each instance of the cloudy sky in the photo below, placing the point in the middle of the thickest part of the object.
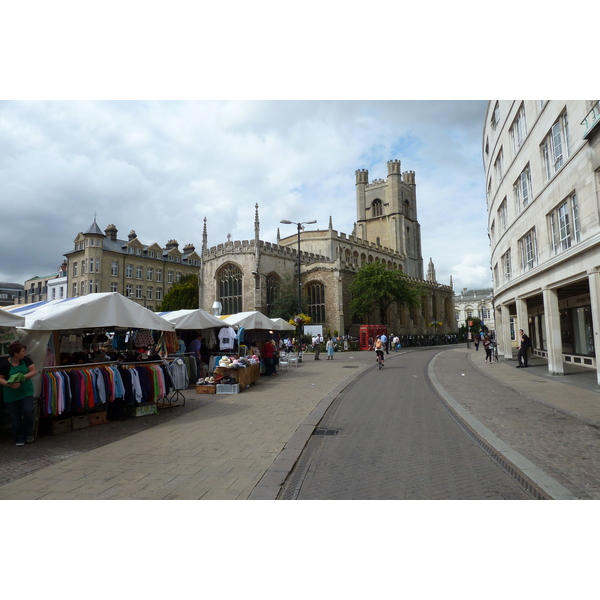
(160, 168)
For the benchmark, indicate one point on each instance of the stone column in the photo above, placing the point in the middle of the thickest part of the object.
(552, 320)
(504, 341)
(594, 283)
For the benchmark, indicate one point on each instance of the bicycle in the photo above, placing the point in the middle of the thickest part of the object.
(380, 358)
(494, 349)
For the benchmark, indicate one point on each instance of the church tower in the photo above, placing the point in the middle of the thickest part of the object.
(387, 214)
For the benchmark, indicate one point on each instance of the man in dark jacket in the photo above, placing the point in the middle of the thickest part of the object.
(525, 342)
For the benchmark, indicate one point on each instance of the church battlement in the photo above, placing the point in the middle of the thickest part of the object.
(249, 246)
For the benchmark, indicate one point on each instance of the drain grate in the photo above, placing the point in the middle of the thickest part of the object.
(325, 431)
(350, 367)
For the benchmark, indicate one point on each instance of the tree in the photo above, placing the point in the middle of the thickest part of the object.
(182, 295)
(286, 300)
(376, 286)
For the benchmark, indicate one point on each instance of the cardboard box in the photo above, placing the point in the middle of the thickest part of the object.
(98, 418)
(143, 409)
(61, 425)
(206, 389)
(228, 388)
(80, 422)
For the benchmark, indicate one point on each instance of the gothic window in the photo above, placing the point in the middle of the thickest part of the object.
(272, 292)
(230, 289)
(377, 208)
(316, 302)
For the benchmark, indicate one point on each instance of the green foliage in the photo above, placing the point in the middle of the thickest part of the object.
(377, 287)
(183, 295)
(285, 305)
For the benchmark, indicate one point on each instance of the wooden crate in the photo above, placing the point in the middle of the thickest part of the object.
(206, 389)
(61, 425)
(143, 409)
(98, 418)
(80, 422)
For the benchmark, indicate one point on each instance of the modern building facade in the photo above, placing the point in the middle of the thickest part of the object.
(542, 168)
(10, 293)
(475, 303)
(101, 262)
(46, 287)
(246, 275)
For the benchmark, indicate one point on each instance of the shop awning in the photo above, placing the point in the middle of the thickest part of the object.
(8, 319)
(104, 310)
(250, 320)
(283, 325)
(192, 319)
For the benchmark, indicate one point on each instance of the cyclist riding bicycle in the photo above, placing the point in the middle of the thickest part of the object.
(379, 351)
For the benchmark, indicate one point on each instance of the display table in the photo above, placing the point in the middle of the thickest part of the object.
(244, 376)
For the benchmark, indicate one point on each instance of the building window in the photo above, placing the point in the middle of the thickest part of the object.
(138, 272)
(528, 250)
(159, 275)
(499, 166)
(177, 276)
(128, 290)
(493, 233)
(114, 287)
(272, 292)
(377, 208)
(230, 289)
(506, 266)
(82, 288)
(556, 146)
(485, 313)
(83, 266)
(159, 293)
(139, 251)
(518, 130)
(564, 225)
(522, 189)
(503, 215)
(129, 271)
(495, 116)
(149, 293)
(139, 291)
(315, 293)
(114, 268)
(74, 269)
(169, 276)
(91, 286)
(150, 273)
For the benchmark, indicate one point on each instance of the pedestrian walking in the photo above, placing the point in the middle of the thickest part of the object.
(16, 372)
(476, 341)
(396, 343)
(525, 342)
(330, 349)
(487, 346)
(384, 341)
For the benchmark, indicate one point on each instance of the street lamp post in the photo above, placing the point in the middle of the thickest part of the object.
(299, 225)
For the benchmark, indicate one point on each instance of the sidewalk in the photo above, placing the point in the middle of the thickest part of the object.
(219, 451)
(243, 446)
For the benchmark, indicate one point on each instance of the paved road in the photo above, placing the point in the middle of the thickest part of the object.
(395, 440)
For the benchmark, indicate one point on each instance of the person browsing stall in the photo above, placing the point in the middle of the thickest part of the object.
(16, 373)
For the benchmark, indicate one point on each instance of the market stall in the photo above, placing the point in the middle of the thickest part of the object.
(76, 390)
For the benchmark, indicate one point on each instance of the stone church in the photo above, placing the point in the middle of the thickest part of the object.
(245, 275)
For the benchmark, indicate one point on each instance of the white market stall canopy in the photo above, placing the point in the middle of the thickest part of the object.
(8, 319)
(104, 310)
(282, 324)
(250, 320)
(192, 319)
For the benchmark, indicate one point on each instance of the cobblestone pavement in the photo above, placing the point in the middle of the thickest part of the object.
(50, 450)
(518, 410)
(396, 441)
(219, 449)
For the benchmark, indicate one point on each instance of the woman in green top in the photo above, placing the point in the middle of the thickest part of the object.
(16, 372)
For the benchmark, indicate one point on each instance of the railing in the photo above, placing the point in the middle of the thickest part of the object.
(591, 120)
